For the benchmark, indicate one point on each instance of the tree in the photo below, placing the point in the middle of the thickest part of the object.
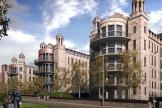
(38, 85)
(78, 76)
(96, 66)
(13, 82)
(131, 74)
(3, 19)
(61, 79)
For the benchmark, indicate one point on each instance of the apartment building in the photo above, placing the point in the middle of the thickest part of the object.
(18, 69)
(52, 56)
(116, 34)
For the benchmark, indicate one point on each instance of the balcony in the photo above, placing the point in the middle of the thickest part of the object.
(94, 37)
(113, 35)
(38, 72)
(114, 67)
(39, 61)
(12, 73)
(48, 82)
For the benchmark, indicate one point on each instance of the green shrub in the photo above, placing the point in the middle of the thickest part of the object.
(59, 94)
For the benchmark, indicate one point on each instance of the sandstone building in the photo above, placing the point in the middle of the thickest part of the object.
(116, 34)
(52, 56)
(18, 69)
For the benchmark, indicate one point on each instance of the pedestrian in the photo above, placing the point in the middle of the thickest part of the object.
(5, 103)
(16, 97)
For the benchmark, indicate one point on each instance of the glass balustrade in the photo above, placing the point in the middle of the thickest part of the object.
(110, 34)
(114, 66)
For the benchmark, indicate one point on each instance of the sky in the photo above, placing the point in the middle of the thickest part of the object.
(35, 21)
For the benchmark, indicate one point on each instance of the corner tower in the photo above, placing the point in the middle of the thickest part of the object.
(59, 40)
(138, 29)
(138, 7)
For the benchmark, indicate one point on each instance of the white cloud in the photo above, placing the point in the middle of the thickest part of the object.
(18, 42)
(58, 13)
(115, 6)
(155, 20)
(69, 44)
(86, 47)
(20, 37)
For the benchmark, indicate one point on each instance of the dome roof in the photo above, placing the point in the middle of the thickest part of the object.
(21, 55)
(117, 15)
(42, 44)
(59, 35)
(14, 59)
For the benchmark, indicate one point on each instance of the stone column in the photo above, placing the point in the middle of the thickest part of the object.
(115, 81)
(137, 8)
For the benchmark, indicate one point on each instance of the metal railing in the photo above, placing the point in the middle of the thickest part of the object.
(114, 66)
(110, 34)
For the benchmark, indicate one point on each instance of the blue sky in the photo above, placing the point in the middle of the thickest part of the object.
(34, 21)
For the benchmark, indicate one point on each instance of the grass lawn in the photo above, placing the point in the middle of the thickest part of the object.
(30, 105)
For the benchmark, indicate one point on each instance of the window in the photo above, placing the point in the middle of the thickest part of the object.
(134, 59)
(145, 77)
(68, 60)
(155, 74)
(72, 61)
(152, 48)
(154, 61)
(152, 73)
(144, 44)
(155, 85)
(111, 47)
(134, 91)
(30, 79)
(160, 86)
(103, 48)
(119, 30)
(152, 84)
(149, 45)
(145, 90)
(20, 68)
(20, 77)
(29, 71)
(111, 79)
(144, 29)
(134, 29)
(144, 61)
(103, 29)
(111, 30)
(86, 64)
(119, 47)
(134, 44)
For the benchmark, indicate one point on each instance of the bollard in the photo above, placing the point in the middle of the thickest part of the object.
(44, 98)
(47, 98)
